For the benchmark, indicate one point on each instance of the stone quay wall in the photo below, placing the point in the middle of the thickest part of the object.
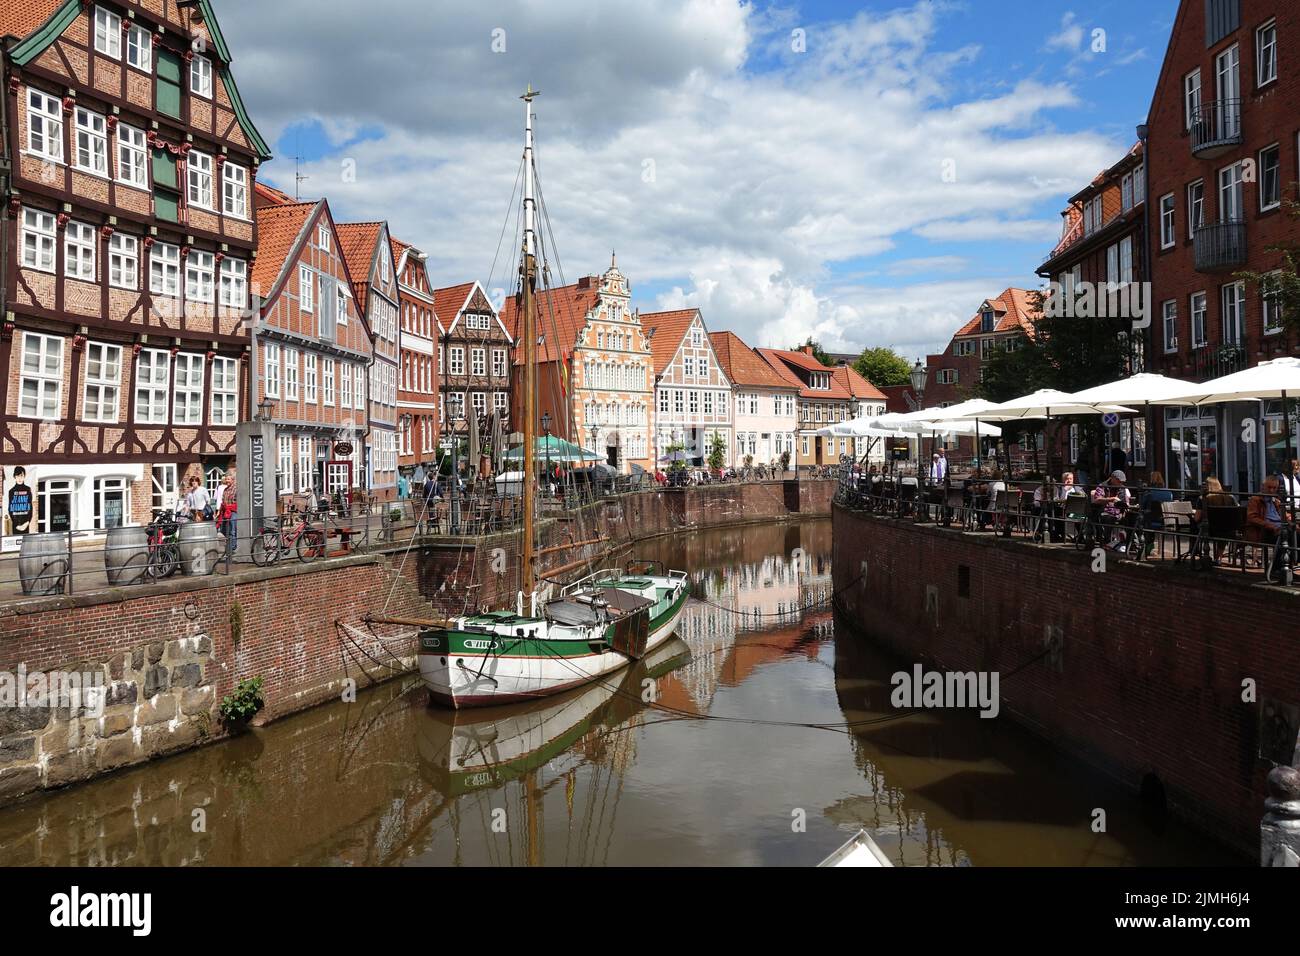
(165, 654)
(1140, 671)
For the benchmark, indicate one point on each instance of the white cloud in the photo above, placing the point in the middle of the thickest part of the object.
(763, 182)
(1069, 38)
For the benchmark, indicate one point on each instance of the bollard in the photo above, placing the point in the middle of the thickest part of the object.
(1279, 831)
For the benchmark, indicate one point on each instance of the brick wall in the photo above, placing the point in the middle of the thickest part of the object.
(1149, 679)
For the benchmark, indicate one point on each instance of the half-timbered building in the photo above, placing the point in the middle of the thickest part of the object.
(693, 407)
(418, 407)
(312, 349)
(125, 250)
(369, 254)
(474, 357)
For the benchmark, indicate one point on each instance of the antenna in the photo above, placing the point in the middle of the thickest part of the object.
(298, 178)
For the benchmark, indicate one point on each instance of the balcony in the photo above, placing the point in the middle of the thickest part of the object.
(1216, 361)
(1220, 246)
(1216, 128)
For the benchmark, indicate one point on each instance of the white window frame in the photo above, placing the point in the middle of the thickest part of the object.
(46, 376)
(1169, 325)
(1237, 324)
(456, 360)
(107, 28)
(187, 407)
(139, 48)
(234, 190)
(328, 378)
(271, 370)
(79, 250)
(123, 261)
(309, 377)
(48, 132)
(1192, 93)
(1259, 186)
(132, 156)
(478, 360)
(201, 76)
(1235, 185)
(90, 146)
(103, 382)
(1199, 318)
(1261, 61)
(234, 283)
(1195, 207)
(165, 269)
(43, 229)
(154, 388)
(198, 179)
(341, 317)
(1270, 303)
(345, 386)
(225, 391)
(290, 374)
(200, 276)
(1168, 221)
(306, 289)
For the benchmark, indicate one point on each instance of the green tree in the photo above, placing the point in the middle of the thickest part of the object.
(882, 367)
(818, 352)
(1285, 282)
(717, 452)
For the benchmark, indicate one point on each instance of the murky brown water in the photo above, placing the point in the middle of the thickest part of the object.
(719, 770)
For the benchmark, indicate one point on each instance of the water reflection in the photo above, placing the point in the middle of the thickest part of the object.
(711, 751)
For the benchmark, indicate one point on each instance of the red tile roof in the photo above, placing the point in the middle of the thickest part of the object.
(669, 328)
(742, 365)
(1013, 310)
(858, 386)
(278, 229)
(21, 17)
(447, 302)
(787, 364)
(561, 314)
(357, 243)
(266, 195)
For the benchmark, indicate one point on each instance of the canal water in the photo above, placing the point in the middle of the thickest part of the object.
(762, 735)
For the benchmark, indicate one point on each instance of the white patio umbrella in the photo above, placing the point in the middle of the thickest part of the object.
(1144, 388)
(974, 406)
(1276, 379)
(1044, 403)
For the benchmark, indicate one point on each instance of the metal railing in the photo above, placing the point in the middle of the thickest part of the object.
(1219, 246)
(1216, 127)
(1200, 531)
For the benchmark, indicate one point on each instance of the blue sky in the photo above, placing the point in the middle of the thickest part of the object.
(797, 192)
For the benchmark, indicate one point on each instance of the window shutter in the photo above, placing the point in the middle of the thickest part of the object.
(167, 94)
(1222, 17)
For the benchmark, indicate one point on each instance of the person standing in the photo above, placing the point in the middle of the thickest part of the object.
(403, 488)
(228, 511)
(198, 503)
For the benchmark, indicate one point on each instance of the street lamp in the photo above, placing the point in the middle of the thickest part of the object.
(918, 375)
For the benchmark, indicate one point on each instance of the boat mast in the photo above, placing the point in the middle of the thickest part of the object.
(528, 279)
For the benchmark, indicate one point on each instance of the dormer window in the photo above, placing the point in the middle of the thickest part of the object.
(987, 319)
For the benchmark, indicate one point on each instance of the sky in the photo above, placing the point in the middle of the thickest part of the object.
(865, 174)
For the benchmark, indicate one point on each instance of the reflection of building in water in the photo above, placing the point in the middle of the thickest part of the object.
(815, 585)
(710, 632)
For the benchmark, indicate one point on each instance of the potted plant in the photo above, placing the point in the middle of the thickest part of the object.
(238, 708)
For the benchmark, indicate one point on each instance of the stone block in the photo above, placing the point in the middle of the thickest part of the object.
(155, 651)
(17, 747)
(197, 700)
(115, 753)
(156, 680)
(122, 692)
(115, 723)
(137, 659)
(187, 675)
(66, 768)
(156, 711)
(16, 781)
(18, 719)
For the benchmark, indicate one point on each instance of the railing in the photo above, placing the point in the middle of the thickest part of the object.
(1216, 127)
(1219, 246)
(1215, 361)
(1192, 530)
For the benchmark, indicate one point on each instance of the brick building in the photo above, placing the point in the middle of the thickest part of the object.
(1103, 250)
(125, 245)
(419, 410)
(369, 254)
(1222, 148)
(765, 405)
(596, 371)
(312, 351)
(474, 358)
(693, 393)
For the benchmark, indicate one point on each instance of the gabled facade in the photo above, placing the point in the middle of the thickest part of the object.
(826, 395)
(693, 401)
(312, 351)
(596, 371)
(369, 254)
(474, 358)
(125, 256)
(420, 412)
(764, 405)
(1223, 157)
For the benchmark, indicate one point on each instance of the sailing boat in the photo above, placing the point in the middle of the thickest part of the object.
(597, 625)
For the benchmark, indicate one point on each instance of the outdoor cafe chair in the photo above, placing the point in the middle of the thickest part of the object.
(1177, 521)
(1075, 516)
(1224, 524)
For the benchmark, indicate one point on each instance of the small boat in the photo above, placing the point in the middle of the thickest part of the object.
(596, 626)
(860, 850)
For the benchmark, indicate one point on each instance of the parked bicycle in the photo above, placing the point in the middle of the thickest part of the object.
(163, 535)
(291, 533)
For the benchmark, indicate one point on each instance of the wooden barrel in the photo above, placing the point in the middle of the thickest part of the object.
(43, 563)
(200, 547)
(126, 555)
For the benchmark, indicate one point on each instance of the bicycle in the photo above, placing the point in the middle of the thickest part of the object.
(278, 541)
(163, 536)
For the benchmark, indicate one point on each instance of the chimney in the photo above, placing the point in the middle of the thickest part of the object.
(806, 349)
